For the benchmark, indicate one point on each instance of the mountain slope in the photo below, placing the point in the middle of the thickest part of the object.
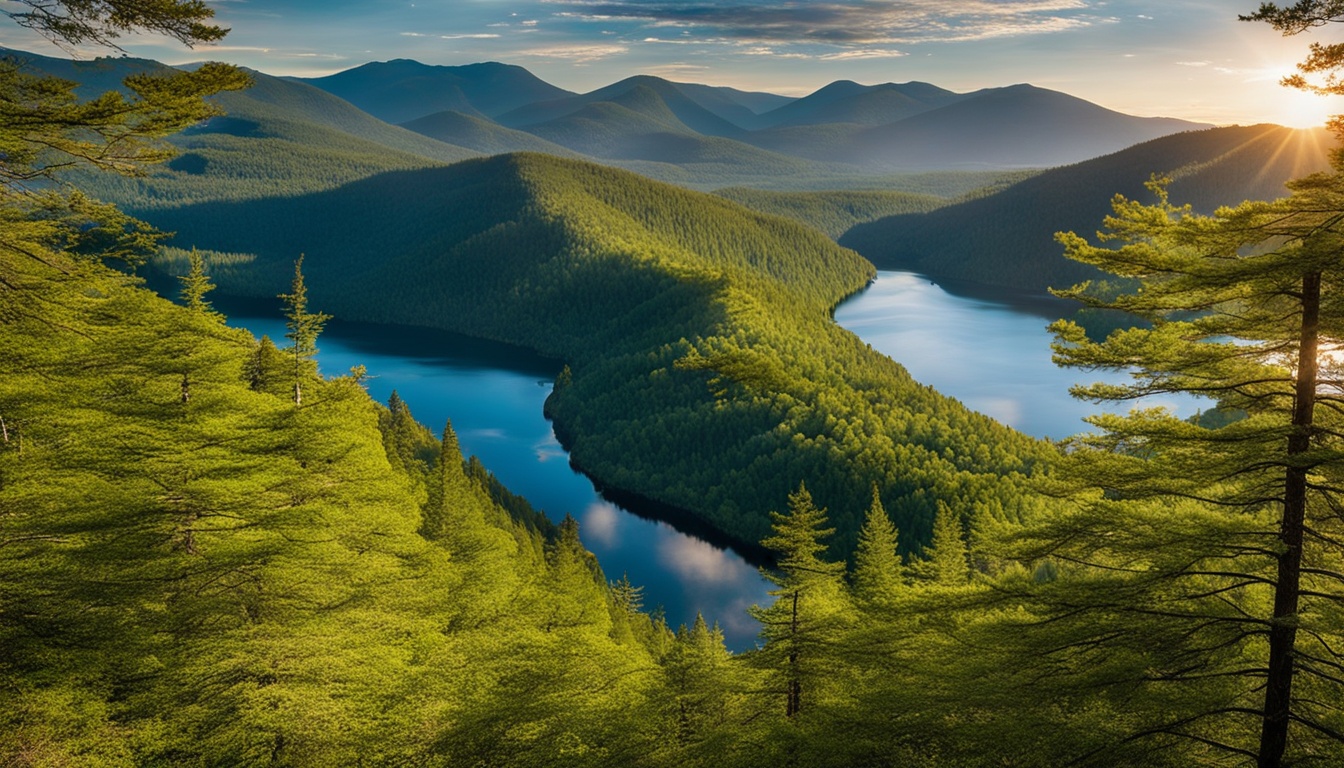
(845, 101)
(278, 138)
(1007, 239)
(400, 90)
(832, 212)
(644, 89)
(741, 108)
(704, 369)
(481, 135)
(639, 126)
(1016, 126)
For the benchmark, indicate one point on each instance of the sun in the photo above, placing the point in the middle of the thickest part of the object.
(1300, 109)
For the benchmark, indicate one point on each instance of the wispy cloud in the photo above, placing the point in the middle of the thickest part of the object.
(863, 22)
(475, 36)
(578, 54)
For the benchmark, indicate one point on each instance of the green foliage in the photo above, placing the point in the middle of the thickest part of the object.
(45, 128)
(808, 611)
(1323, 58)
(704, 369)
(72, 22)
(944, 560)
(877, 567)
(230, 580)
(196, 284)
(303, 329)
(1230, 539)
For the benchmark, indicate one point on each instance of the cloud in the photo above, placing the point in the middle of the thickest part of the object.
(548, 448)
(1193, 63)
(601, 523)
(478, 36)
(863, 22)
(698, 562)
(876, 53)
(578, 54)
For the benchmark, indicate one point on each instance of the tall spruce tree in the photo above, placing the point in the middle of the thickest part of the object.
(945, 560)
(196, 284)
(1225, 542)
(807, 613)
(303, 329)
(877, 566)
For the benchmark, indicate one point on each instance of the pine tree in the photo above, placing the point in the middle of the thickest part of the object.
(304, 328)
(1227, 539)
(944, 561)
(196, 284)
(877, 567)
(806, 615)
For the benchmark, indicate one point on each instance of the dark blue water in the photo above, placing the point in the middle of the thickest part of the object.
(493, 395)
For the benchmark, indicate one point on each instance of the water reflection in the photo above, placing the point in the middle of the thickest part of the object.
(992, 356)
(494, 395)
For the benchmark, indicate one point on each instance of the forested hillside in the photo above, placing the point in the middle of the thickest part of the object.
(278, 138)
(834, 213)
(704, 370)
(1007, 239)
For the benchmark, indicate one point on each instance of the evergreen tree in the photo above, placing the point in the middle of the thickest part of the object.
(264, 369)
(877, 566)
(807, 613)
(944, 561)
(304, 328)
(196, 284)
(1231, 535)
(1321, 59)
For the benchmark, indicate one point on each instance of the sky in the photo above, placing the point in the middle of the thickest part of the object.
(1174, 58)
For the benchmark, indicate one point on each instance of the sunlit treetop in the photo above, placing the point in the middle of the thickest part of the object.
(1322, 59)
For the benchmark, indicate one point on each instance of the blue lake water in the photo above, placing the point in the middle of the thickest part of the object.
(493, 395)
(992, 355)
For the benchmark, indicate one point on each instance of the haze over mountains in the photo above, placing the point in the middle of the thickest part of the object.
(878, 128)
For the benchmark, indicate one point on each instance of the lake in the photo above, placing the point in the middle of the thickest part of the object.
(493, 395)
(992, 355)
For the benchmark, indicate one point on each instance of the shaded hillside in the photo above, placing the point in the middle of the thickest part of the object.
(1007, 239)
(653, 93)
(845, 101)
(279, 138)
(832, 212)
(638, 125)
(741, 108)
(704, 370)
(400, 90)
(1015, 127)
(481, 135)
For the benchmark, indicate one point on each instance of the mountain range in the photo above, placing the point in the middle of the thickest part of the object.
(864, 128)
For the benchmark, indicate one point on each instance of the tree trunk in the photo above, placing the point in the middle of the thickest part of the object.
(795, 696)
(1283, 633)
